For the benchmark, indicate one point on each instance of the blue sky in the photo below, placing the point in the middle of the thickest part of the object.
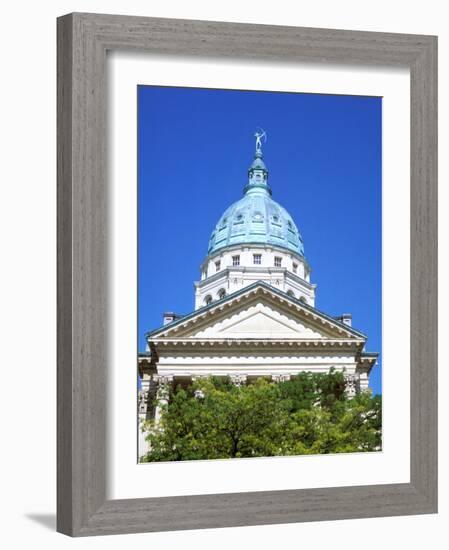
(324, 157)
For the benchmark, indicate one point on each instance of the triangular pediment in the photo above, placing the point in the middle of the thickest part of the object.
(257, 312)
(258, 320)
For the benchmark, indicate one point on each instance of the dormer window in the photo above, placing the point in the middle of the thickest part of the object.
(217, 265)
(277, 261)
(235, 260)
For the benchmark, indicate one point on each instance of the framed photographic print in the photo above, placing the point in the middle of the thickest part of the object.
(247, 274)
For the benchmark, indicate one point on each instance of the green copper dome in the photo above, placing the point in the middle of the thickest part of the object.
(256, 218)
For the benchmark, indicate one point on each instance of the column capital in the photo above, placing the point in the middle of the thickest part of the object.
(238, 379)
(163, 378)
(143, 400)
(280, 377)
(352, 384)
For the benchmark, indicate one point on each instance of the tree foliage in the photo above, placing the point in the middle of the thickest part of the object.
(309, 414)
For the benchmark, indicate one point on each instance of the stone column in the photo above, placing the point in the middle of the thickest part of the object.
(145, 410)
(144, 399)
(162, 394)
(352, 385)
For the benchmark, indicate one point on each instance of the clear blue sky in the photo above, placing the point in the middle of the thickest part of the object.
(324, 157)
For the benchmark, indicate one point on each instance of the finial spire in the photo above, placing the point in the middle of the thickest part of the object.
(258, 173)
(259, 135)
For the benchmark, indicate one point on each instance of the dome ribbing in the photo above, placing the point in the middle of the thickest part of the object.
(256, 218)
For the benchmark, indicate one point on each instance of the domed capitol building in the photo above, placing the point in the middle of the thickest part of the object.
(254, 311)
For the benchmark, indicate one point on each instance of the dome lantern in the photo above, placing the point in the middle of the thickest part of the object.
(258, 172)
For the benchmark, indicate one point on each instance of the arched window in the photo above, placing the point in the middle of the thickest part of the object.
(303, 300)
(208, 299)
(221, 293)
(290, 293)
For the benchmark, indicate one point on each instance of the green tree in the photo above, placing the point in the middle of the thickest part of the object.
(309, 414)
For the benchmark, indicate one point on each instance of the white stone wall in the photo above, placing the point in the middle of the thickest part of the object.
(246, 253)
(229, 278)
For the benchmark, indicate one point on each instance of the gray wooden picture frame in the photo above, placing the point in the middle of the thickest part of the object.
(83, 40)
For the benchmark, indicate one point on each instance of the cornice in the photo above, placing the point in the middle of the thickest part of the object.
(251, 343)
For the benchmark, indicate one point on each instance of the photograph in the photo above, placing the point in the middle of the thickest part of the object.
(259, 274)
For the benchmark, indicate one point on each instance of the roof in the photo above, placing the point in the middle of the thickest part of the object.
(256, 218)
